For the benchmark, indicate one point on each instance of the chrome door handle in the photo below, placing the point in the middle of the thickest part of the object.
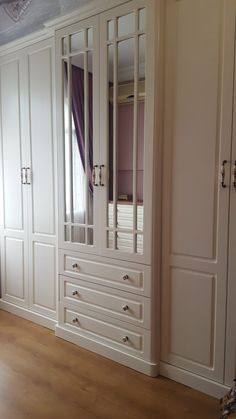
(94, 175)
(100, 175)
(28, 175)
(223, 174)
(234, 174)
(23, 175)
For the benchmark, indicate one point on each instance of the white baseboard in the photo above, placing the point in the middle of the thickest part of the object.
(130, 361)
(212, 388)
(28, 315)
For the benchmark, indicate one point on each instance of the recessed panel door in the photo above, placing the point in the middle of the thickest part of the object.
(198, 117)
(230, 353)
(39, 66)
(14, 197)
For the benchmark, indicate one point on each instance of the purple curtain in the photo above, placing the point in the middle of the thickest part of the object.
(78, 110)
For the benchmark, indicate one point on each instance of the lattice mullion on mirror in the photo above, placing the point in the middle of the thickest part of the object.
(115, 129)
(125, 230)
(80, 225)
(125, 37)
(135, 133)
(86, 137)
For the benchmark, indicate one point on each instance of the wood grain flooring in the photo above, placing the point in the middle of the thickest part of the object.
(43, 377)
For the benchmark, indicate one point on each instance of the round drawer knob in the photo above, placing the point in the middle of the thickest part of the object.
(125, 308)
(125, 277)
(75, 320)
(75, 293)
(75, 265)
(125, 339)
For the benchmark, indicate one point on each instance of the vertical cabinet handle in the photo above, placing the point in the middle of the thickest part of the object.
(223, 174)
(234, 174)
(94, 175)
(23, 175)
(28, 176)
(100, 175)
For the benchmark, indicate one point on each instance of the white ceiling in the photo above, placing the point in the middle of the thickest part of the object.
(38, 12)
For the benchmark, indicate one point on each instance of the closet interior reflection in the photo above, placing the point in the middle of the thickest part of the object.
(126, 84)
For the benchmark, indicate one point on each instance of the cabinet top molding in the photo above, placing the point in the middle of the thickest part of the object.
(91, 9)
(26, 41)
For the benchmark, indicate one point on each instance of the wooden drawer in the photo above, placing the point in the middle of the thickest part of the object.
(121, 305)
(105, 330)
(122, 275)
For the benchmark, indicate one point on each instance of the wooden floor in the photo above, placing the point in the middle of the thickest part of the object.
(42, 376)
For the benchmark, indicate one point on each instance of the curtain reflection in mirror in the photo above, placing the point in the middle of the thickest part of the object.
(79, 150)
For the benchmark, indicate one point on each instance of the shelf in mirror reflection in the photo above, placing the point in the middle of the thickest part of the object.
(125, 215)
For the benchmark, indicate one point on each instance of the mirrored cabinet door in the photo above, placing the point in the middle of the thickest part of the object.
(124, 126)
(79, 153)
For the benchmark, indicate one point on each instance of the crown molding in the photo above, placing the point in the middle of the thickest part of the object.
(93, 8)
(26, 41)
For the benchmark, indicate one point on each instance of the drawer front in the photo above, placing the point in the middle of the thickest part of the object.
(102, 329)
(118, 304)
(134, 279)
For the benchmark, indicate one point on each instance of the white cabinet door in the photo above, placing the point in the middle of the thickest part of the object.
(77, 49)
(199, 86)
(39, 67)
(126, 129)
(230, 360)
(14, 193)
(28, 236)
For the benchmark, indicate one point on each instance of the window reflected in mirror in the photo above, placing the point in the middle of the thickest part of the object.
(78, 138)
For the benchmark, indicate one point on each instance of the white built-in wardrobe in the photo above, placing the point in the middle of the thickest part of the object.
(118, 132)
(28, 213)
(198, 344)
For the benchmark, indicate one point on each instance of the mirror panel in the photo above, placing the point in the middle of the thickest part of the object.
(125, 242)
(67, 233)
(126, 109)
(140, 244)
(126, 24)
(78, 138)
(78, 234)
(90, 38)
(125, 131)
(65, 46)
(142, 19)
(77, 42)
(111, 29)
(111, 132)
(66, 142)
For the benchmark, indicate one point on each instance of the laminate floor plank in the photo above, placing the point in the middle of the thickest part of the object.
(44, 377)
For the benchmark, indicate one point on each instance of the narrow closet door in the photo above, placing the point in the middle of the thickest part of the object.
(14, 190)
(199, 85)
(127, 52)
(39, 67)
(230, 360)
(77, 49)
